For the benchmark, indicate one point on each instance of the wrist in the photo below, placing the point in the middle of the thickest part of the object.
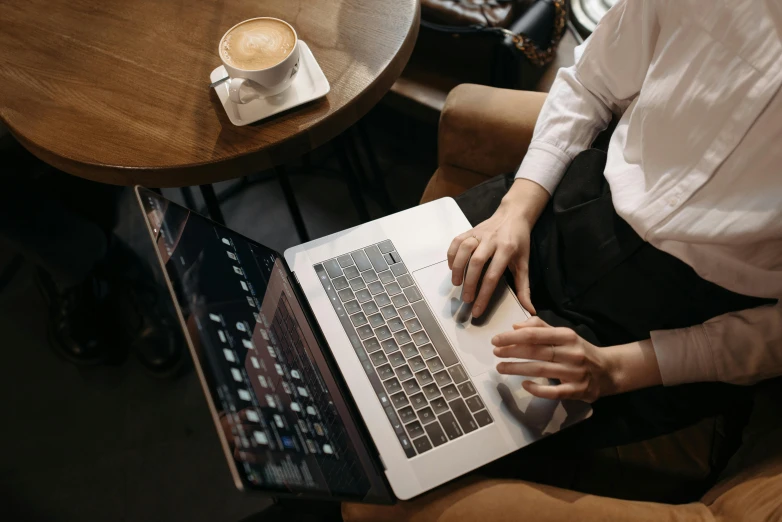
(527, 199)
(630, 367)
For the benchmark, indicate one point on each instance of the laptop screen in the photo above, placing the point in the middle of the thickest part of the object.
(279, 407)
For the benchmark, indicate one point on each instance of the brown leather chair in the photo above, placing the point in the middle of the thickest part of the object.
(485, 132)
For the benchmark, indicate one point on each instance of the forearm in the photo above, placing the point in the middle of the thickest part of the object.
(631, 366)
(527, 198)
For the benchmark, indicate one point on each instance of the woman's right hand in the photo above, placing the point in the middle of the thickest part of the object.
(505, 239)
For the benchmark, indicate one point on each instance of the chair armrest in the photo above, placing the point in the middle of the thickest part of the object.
(475, 499)
(487, 130)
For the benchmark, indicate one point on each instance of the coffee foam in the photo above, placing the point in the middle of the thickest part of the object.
(257, 44)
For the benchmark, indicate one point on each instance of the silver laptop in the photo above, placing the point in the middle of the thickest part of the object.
(348, 368)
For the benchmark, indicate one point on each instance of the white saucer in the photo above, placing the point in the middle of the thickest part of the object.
(309, 85)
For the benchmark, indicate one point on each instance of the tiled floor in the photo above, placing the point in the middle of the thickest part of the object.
(115, 444)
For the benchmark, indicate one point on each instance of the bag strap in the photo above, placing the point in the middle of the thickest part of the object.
(531, 50)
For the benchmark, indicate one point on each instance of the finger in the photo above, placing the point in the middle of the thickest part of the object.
(568, 390)
(538, 369)
(535, 335)
(466, 250)
(541, 352)
(523, 292)
(532, 321)
(454, 247)
(490, 281)
(474, 270)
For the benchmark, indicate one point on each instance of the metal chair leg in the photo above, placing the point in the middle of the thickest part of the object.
(212, 205)
(187, 195)
(378, 176)
(293, 206)
(341, 147)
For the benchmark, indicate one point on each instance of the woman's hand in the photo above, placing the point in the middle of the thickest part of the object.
(585, 371)
(505, 239)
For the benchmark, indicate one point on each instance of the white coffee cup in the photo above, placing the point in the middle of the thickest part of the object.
(246, 84)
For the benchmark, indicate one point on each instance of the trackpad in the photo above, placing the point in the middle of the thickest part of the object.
(470, 337)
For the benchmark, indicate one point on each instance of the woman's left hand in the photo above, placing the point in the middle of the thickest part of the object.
(585, 372)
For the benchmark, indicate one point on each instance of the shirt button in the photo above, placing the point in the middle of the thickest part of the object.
(672, 202)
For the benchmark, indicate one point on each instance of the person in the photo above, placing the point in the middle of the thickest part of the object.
(653, 265)
(102, 301)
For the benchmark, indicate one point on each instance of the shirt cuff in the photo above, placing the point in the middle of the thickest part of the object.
(684, 355)
(544, 164)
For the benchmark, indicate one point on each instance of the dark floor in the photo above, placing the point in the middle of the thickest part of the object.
(116, 444)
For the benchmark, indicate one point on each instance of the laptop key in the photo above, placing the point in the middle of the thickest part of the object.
(399, 269)
(361, 259)
(376, 320)
(483, 418)
(462, 413)
(406, 312)
(358, 319)
(392, 386)
(404, 372)
(451, 427)
(340, 283)
(409, 350)
(351, 272)
(426, 415)
(427, 351)
(467, 389)
(376, 258)
(399, 300)
(364, 332)
(411, 387)
(420, 338)
(442, 378)
(346, 295)
(474, 403)
(403, 337)
(351, 307)
(357, 284)
(399, 400)
(382, 300)
(405, 280)
(407, 413)
(333, 269)
(450, 392)
(413, 325)
(386, 277)
(385, 371)
(389, 346)
(457, 374)
(378, 358)
(431, 391)
(396, 359)
(422, 445)
(382, 333)
(369, 276)
(435, 333)
(345, 260)
(371, 345)
(435, 364)
(386, 246)
(407, 446)
(436, 434)
(369, 307)
(375, 287)
(396, 324)
(388, 258)
(413, 294)
(389, 312)
(414, 429)
(417, 364)
(418, 401)
(393, 288)
(363, 296)
(439, 405)
(424, 377)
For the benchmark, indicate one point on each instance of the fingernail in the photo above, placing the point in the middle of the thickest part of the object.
(495, 339)
(477, 310)
(497, 352)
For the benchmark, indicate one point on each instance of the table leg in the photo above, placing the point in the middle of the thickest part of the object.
(187, 195)
(378, 176)
(293, 206)
(212, 205)
(350, 178)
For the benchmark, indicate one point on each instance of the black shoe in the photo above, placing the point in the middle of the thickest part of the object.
(80, 323)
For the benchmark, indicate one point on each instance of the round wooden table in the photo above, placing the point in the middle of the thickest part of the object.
(117, 91)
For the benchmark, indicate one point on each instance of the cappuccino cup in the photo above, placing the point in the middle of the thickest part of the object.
(261, 57)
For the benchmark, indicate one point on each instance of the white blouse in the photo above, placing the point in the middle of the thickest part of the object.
(695, 163)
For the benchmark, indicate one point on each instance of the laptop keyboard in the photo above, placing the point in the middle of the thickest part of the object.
(424, 389)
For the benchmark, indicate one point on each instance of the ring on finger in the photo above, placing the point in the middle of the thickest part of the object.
(553, 353)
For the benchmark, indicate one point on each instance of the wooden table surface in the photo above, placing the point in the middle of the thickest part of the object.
(117, 90)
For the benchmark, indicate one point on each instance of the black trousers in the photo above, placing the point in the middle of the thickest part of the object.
(591, 272)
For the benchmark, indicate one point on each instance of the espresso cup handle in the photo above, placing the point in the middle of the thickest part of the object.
(237, 94)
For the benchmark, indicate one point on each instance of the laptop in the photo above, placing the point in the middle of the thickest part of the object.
(347, 368)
